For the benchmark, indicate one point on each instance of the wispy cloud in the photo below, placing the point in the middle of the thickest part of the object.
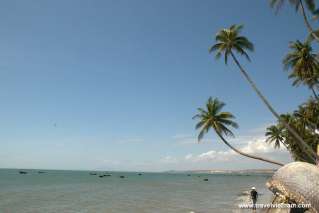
(169, 160)
(256, 146)
(260, 129)
(252, 142)
(130, 140)
(185, 139)
(211, 155)
(251, 135)
(211, 159)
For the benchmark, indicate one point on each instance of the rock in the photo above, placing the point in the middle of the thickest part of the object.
(297, 182)
(122, 176)
(205, 179)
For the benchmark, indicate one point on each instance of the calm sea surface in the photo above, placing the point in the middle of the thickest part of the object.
(78, 191)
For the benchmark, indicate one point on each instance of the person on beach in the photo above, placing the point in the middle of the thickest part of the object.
(254, 196)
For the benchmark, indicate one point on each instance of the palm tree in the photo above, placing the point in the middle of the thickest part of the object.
(302, 121)
(275, 135)
(299, 5)
(312, 113)
(213, 118)
(303, 114)
(310, 81)
(304, 65)
(228, 41)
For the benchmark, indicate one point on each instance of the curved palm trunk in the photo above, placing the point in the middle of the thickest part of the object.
(307, 22)
(247, 155)
(314, 93)
(303, 144)
(285, 145)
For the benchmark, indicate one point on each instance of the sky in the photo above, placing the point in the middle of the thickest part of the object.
(113, 85)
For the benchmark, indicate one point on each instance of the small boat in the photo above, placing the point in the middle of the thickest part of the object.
(23, 172)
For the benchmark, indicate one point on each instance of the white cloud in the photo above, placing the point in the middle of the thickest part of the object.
(169, 160)
(211, 159)
(255, 146)
(252, 143)
(224, 158)
(211, 155)
(258, 146)
(189, 157)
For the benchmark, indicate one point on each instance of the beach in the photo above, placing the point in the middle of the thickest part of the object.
(80, 191)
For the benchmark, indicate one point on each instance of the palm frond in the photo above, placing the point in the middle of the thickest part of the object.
(230, 39)
(212, 117)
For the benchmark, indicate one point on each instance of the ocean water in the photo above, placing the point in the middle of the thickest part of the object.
(80, 192)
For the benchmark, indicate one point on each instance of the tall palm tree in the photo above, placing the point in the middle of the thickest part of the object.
(275, 135)
(212, 117)
(312, 113)
(304, 65)
(303, 114)
(230, 41)
(302, 121)
(299, 5)
(309, 81)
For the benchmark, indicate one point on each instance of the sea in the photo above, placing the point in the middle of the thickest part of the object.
(49, 191)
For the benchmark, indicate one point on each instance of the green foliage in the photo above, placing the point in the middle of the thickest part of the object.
(297, 131)
(305, 120)
(229, 40)
(212, 117)
(303, 65)
(275, 134)
(302, 5)
(310, 4)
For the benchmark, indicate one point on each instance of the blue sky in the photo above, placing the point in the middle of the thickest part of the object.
(114, 84)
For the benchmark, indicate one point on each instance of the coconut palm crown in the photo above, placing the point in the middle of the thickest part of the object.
(301, 5)
(229, 40)
(310, 4)
(275, 135)
(213, 118)
(303, 64)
